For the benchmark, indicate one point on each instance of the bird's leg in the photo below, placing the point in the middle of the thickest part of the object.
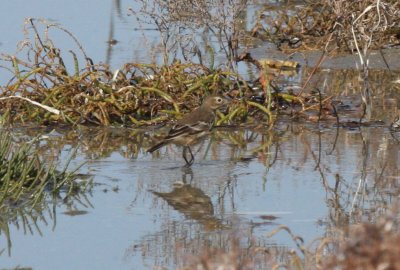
(184, 156)
(191, 156)
(184, 153)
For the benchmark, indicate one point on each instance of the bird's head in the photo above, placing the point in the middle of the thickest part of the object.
(214, 102)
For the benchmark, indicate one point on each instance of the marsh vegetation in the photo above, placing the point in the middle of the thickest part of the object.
(288, 122)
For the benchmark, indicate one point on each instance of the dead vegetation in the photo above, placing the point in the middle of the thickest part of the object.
(364, 246)
(369, 245)
(42, 89)
(343, 25)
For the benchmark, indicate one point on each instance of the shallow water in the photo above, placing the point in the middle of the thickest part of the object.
(133, 220)
(148, 210)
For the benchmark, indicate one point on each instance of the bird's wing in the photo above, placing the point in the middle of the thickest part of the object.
(192, 129)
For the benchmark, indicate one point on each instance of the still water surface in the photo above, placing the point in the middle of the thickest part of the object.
(146, 210)
(132, 220)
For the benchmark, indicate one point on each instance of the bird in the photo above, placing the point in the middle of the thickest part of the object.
(192, 127)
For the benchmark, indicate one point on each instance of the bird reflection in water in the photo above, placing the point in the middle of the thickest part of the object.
(192, 202)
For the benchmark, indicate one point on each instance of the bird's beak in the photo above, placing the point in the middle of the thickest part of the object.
(227, 100)
(225, 103)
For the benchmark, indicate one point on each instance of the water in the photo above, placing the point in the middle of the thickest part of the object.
(92, 22)
(128, 226)
(147, 211)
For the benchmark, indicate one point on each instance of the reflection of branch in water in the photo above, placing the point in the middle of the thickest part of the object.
(115, 5)
(111, 41)
(363, 177)
(31, 220)
(267, 161)
(4, 228)
(74, 204)
(263, 148)
(337, 211)
(319, 152)
(228, 186)
(275, 158)
(336, 201)
(325, 184)
(333, 202)
(336, 138)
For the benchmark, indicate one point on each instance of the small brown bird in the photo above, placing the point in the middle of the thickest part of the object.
(192, 127)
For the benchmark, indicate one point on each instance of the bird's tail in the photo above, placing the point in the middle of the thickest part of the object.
(156, 146)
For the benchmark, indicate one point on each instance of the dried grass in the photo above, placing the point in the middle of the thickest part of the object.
(345, 25)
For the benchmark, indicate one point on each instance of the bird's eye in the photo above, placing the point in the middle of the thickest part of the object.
(219, 100)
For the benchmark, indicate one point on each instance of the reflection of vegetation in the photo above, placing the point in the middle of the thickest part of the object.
(344, 23)
(187, 28)
(31, 219)
(342, 160)
(364, 246)
(25, 179)
(314, 149)
(234, 255)
(346, 83)
(326, 152)
(27, 183)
